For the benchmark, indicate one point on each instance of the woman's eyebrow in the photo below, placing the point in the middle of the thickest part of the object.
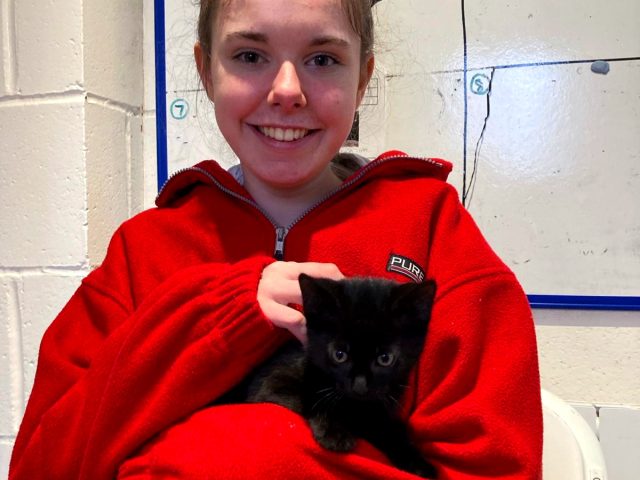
(262, 38)
(329, 40)
(247, 35)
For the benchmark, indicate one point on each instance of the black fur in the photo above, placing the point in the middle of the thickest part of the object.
(364, 337)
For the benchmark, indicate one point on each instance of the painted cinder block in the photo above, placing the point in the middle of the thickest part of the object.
(48, 45)
(107, 175)
(589, 356)
(620, 439)
(42, 186)
(149, 60)
(136, 152)
(6, 445)
(3, 86)
(42, 297)
(150, 162)
(112, 38)
(8, 313)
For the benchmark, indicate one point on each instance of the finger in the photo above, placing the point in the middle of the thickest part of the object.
(280, 290)
(288, 318)
(317, 269)
(283, 316)
(292, 270)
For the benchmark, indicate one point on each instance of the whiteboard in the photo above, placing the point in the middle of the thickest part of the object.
(536, 103)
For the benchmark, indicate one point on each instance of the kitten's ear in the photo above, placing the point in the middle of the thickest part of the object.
(413, 292)
(415, 299)
(319, 295)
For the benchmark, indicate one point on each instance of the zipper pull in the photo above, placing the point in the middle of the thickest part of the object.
(281, 233)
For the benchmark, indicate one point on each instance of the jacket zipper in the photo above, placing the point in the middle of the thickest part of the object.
(280, 231)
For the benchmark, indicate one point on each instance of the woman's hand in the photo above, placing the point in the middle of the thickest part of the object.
(279, 293)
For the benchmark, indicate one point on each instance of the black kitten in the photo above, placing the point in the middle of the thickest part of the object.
(364, 336)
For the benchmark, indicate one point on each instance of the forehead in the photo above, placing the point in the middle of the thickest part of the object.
(313, 17)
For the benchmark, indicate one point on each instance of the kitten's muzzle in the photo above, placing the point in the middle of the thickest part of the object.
(359, 385)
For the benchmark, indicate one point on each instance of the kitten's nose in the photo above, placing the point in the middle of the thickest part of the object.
(360, 385)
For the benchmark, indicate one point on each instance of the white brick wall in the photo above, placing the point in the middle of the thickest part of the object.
(8, 354)
(107, 173)
(7, 55)
(48, 45)
(42, 189)
(590, 356)
(113, 64)
(71, 148)
(41, 297)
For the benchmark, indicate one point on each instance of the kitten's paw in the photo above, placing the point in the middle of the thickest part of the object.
(409, 459)
(421, 468)
(332, 437)
(337, 441)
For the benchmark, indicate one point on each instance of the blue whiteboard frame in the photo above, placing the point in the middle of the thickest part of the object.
(562, 302)
(161, 93)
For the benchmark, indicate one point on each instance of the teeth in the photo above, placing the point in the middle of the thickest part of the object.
(284, 134)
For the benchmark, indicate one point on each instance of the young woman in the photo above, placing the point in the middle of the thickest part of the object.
(196, 293)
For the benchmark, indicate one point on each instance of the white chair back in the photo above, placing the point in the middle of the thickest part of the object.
(571, 449)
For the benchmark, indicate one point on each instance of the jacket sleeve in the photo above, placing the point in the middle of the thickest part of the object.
(110, 378)
(478, 411)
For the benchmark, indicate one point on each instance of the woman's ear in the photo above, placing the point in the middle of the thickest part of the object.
(201, 63)
(366, 71)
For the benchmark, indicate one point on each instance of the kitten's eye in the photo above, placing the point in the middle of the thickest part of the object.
(339, 356)
(386, 359)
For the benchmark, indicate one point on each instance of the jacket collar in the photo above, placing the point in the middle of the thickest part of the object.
(350, 168)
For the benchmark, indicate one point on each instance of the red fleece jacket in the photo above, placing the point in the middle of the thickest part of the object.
(170, 321)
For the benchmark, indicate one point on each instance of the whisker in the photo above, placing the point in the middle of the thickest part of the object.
(337, 396)
(391, 397)
(323, 390)
(318, 402)
(324, 398)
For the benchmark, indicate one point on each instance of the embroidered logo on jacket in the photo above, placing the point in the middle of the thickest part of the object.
(405, 266)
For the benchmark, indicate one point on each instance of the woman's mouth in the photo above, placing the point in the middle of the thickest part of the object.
(283, 134)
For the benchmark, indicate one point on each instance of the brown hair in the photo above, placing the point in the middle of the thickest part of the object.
(358, 12)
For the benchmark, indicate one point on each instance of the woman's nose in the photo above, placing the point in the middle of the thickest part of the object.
(286, 91)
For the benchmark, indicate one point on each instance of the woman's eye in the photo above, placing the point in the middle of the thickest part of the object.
(323, 60)
(339, 356)
(385, 359)
(249, 57)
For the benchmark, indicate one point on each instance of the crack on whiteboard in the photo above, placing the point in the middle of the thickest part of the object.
(467, 195)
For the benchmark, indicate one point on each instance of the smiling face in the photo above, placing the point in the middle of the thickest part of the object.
(285, 77)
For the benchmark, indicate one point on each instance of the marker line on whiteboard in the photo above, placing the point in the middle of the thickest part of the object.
(466, 111)
(467, 195)
(467, 69)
